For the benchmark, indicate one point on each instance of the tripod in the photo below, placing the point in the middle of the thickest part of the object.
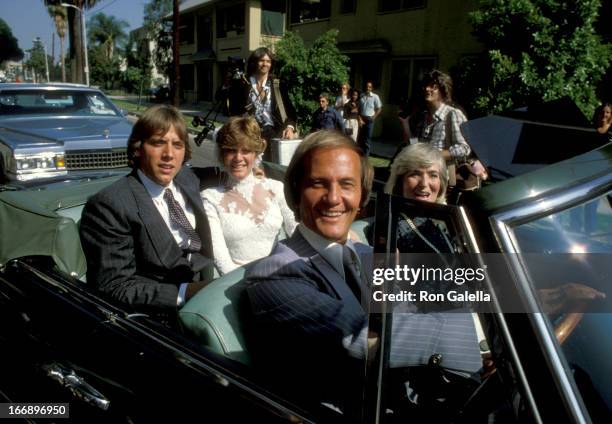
(231, 92)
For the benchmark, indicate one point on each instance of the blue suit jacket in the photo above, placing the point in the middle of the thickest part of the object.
(308, 321)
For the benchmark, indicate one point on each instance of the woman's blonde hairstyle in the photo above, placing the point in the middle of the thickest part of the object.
(413, 157)
(240, 132)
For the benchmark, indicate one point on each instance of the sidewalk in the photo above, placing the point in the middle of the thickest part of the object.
(380, 147)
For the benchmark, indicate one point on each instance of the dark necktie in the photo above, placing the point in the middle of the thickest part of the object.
(352, 272)
(177, 215)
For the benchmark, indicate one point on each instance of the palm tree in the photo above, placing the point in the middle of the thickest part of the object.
(60, 17)
(107, 31)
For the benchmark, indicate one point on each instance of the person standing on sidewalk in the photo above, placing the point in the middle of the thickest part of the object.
(370, 107)
(326, 117)
(351, 116)
(267, 99)
(441, 121)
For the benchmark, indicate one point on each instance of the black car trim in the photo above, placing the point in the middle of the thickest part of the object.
(121, 320)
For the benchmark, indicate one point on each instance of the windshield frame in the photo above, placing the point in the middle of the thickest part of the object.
(504, 225)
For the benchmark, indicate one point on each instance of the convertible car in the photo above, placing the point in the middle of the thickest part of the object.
(63, 342)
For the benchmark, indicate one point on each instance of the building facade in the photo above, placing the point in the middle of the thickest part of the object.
(390, 42)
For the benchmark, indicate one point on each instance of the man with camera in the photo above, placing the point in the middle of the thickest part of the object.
(266, 99)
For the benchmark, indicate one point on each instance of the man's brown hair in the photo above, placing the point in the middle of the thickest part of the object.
(157, 120)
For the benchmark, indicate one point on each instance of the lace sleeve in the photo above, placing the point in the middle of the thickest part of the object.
(289, 222)
(222, 258)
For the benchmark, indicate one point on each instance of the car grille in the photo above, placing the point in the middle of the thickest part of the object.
(96, 160)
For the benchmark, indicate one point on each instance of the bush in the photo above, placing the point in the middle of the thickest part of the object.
(535, 51)
(311, 71)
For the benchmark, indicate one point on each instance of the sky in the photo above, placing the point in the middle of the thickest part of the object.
(29, 19)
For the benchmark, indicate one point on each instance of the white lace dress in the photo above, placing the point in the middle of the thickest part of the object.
(245, 218)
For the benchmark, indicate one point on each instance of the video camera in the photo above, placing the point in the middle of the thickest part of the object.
(235, 67)
(207, 124)
(229, 94)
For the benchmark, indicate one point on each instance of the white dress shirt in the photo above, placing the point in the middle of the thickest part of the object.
(156, 192)
(329, 250)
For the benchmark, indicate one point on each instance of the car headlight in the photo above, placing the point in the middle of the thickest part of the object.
(39, 165)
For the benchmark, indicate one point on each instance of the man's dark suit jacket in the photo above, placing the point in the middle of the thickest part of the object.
(131, 254)
(305, 318)
(310, 328)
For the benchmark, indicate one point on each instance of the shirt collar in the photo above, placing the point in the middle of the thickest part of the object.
(329, 250)
(154, 189)
(254, 81)
(441, 112)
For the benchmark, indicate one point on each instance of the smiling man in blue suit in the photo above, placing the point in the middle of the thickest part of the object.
(306, 297)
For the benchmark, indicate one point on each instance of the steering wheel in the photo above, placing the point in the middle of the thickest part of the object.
(569, 322)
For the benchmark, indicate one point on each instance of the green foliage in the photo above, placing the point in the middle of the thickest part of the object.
(137, 76)
(36, 62)
(310, 71)
(9, 48)
(104, 70)
(160, 29)
(107, 32)
(535, 50)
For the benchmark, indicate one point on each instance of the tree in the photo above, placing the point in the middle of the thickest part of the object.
(310, 71)
(137, 76)
(107, 32)
(104, 70)
(60, 18)
(36, 62)
(159, 28)
(535, 50)
(9, 48)
(76, 50)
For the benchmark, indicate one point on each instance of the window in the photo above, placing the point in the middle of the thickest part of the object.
(309, 10)
(565, 252)
(397, 5)
(187, 77)
(186, 29)
(406, 77)
(204, 32)
(272, 17)
(230, 19)
(348, 6)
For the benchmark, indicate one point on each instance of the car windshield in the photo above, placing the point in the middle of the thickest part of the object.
(55, 102)
(572, 246)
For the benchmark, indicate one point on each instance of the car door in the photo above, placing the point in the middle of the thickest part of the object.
(62, 343)
(563, 243)
(428, 386)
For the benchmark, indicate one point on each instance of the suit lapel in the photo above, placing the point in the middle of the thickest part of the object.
(161, 238)
(335, 282)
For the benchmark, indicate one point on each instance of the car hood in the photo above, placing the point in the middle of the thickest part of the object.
(73, 132)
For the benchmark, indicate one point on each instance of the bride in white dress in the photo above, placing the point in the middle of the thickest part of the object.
(245, 212)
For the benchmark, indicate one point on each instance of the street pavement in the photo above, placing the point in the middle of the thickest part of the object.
(205, 154)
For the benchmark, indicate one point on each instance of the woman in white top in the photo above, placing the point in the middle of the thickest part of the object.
(245, 212)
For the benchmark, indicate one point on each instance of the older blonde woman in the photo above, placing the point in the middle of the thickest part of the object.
(419, 172)
(246, 212)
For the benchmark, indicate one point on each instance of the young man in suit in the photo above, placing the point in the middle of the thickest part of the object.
(146, 237)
